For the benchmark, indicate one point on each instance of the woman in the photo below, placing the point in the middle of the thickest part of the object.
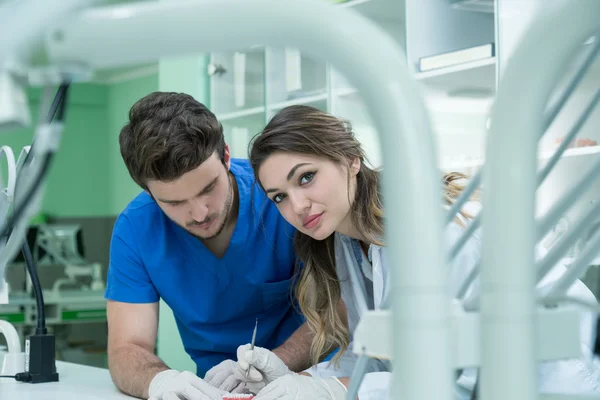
(310, 164)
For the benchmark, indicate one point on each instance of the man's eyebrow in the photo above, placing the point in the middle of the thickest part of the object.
(290, 175)
(208, 186)
(203, 191)
(169, 201)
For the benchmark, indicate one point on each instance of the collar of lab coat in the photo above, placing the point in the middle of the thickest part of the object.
(353, 264)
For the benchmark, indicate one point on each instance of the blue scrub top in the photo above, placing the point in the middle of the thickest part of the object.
(215, 301)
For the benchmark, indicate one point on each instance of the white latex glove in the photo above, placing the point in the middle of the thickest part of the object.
(222, 376)
(265, 367)
(300, 387)
(175, 385)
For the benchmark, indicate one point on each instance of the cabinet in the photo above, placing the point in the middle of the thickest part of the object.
(249, 86)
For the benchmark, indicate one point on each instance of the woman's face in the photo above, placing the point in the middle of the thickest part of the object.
(312, 193)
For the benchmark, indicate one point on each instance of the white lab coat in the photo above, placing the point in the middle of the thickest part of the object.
(365, 285)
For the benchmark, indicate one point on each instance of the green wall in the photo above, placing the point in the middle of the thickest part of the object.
(120, 99)
(88, 177)
(77, 183)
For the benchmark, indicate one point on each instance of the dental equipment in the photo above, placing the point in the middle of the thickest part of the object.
(549, 117)
(510, 178)
(246, 391)
(6, 196)
(14, 359)
(556, 213)
(40, 347)
(507, 292)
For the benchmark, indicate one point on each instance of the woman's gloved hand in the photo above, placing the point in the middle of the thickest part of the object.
(175, 385)
(264, 367)
(300, 387)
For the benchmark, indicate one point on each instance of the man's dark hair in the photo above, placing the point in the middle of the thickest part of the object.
(168, 135)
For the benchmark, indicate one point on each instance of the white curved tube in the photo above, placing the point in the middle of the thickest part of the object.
(128, 34)
(11, 336)
(6, 197)
(508, 369)
(12, 169)
(27, 20)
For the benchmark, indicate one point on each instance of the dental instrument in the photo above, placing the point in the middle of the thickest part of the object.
(246, 391)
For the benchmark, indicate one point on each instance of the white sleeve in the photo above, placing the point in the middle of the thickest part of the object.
(344, 369)
(375, 386)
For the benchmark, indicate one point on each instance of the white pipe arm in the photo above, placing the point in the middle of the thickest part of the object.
(117, 36)
(12, 337)
(508, 369)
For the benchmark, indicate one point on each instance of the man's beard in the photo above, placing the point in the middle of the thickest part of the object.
(226, 211)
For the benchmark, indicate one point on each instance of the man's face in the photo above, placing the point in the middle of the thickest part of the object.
(200, 200)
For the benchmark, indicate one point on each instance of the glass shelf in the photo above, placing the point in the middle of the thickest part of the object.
(293, 76)
(240, 131)
(237, 82)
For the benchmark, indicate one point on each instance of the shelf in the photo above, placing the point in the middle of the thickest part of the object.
(573, 152)
(345, 92)
(242, 113)
(308, 100)
(544, 155)
(486, 6)
(459, 165)
(473, 78)
(570, 260)
(378, 10)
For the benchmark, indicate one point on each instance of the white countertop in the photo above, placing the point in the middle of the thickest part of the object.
(76, 382)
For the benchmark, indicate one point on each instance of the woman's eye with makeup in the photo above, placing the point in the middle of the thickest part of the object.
(278, 198)
(306, 178)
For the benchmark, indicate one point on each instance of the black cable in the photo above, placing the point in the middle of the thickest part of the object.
(597, 341)
(37, 289)
(62, 104)
(56, 103)
(57, 109)
(18, 212)
(21, 377)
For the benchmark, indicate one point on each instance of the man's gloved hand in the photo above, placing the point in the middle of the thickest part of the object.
(175, 385)
(300, 387)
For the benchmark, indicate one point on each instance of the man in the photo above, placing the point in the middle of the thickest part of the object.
(203, 237)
